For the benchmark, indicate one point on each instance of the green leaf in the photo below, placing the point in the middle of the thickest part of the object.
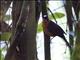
(7, 17)
(39, 28)
(5, 36)
(57, 15)
(1, 55)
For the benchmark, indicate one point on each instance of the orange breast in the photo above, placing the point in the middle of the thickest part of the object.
(45, 28)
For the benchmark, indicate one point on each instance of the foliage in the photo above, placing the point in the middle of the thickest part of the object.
(76, 51)
(39, 28)
(57, 15)
(1, 55)
(5, 36)
(7, 17)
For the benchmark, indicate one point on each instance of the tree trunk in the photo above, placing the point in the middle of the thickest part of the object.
(46, 37)
(31, 33)
(76, 6)
(68, 8)
(16, 11)
(76, 51)
(23, 46)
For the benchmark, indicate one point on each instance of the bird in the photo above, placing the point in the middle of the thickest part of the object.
(50, 28)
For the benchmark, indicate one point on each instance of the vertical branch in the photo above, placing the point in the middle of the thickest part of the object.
(52, 15)
(76, 6)
(16, 10)
(68, 8)
(37, 15)
(76, 51)
(38, 10)
(46, 37)
(30, 41)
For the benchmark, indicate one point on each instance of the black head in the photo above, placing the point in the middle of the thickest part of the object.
(45, 17)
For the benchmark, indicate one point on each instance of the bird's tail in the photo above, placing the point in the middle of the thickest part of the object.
(67, 43)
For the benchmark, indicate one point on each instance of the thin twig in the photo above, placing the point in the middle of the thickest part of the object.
(52, 15)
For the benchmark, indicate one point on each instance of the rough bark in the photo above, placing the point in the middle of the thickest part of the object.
(76, 51)
(31, 33)
(68, 8)
(76, 6)
(25, 36)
